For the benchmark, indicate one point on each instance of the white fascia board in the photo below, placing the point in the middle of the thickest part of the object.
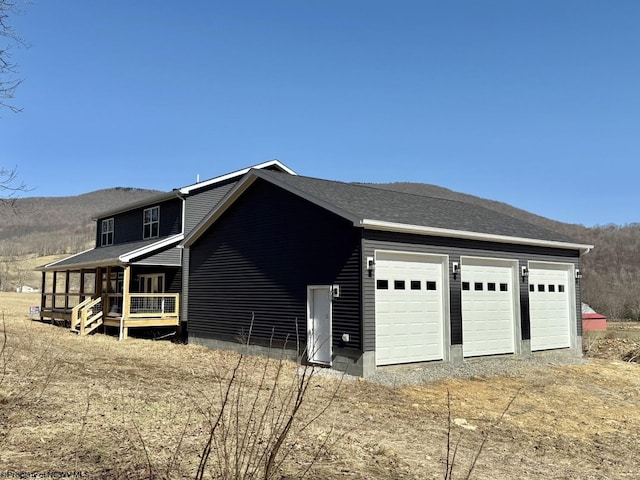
(486, 237)
(53, 264)
(189, 188)
(184, 213)
(127, 257)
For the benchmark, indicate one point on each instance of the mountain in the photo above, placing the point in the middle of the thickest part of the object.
(39, 226)
(51, 225)
(611, 271)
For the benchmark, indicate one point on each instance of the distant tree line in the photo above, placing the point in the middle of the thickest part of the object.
(63, 225)
(611, 272)
(43, 226)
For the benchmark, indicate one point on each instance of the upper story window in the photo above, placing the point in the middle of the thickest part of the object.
(151, 222)
(106, 232)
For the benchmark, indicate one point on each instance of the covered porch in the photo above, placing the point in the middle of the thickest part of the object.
(136, 289)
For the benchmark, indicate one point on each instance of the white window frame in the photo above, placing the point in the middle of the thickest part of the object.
(106, 232)
(151, 222)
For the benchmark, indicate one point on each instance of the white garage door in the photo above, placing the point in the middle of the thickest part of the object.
(549, 306)
(409, 308)
(488, 300)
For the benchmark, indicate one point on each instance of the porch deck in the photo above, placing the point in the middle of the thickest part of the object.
(55, 314)
(85, 313)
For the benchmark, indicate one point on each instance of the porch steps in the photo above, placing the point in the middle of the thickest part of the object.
(87, 316)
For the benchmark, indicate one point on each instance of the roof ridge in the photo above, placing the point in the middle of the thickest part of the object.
(234, 174)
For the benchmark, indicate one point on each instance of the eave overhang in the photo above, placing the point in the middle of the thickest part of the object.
(371, 224)
(121, 260)
(484, 237)
(131, 256)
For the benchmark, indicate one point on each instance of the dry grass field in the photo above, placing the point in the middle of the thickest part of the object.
(144, 409)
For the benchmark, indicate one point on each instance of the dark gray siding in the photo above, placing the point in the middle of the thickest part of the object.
(128, 225)
(455, 248)
(184, 304)
(259, 258)
(170, 256)
(200, 203)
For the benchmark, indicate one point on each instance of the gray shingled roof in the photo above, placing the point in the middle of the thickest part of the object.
(99, 256)
(371, 203)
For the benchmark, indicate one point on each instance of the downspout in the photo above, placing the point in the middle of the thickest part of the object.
(184, 278)
(125, 295)
(183, 197)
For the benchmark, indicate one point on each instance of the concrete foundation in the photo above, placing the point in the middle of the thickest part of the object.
(350, 361)
(456, 355)
(216, 344)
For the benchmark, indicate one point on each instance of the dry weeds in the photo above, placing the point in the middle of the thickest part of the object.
(139, 408)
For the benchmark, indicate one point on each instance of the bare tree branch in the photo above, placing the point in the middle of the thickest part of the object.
(9, 82)
(10, 188)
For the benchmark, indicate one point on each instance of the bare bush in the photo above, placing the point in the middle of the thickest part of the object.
(256, 428)
(24, 377)
(452, 449)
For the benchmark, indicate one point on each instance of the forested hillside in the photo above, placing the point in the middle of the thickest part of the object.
(50, 225)
(611, 271)
(36, 227)
(42, 226)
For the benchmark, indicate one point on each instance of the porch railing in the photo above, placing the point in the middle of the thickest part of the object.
(76, 314)
(153, 305)
(87, 316)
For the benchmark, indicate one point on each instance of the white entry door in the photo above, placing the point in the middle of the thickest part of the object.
(488, 306)
(550, 305)
(319, 324)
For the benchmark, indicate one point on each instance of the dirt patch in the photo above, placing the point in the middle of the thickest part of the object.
(621, 340)
(110, 408)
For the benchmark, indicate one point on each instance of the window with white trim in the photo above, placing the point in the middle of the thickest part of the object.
(106, 231)
(151, 222)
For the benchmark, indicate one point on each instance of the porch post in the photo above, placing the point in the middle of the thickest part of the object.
(98, 286)
(124, 331)
(81, 293)
(106, 305)
(53, 290)
(66, 290)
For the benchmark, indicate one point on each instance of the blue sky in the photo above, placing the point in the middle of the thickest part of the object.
(533, 103)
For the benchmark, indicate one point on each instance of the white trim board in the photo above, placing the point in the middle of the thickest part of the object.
(238, 173)
(487, 237)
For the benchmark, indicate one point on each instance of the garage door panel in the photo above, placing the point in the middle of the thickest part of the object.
(549, 306)
(488, 315)
(409, 311)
